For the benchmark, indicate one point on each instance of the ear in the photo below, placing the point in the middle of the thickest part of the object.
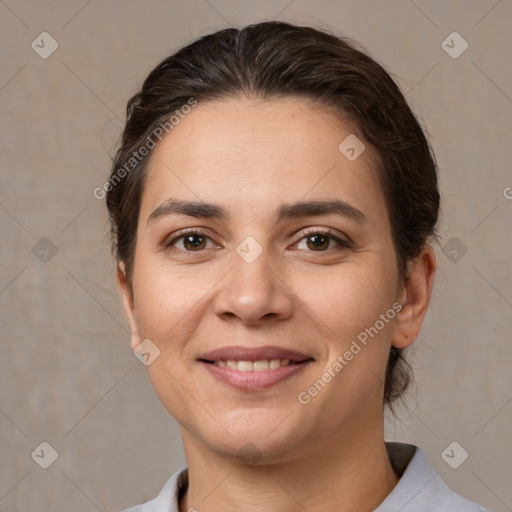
(128, 303)
(414, 297)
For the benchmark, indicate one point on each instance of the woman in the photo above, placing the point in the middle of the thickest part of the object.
(272, 205)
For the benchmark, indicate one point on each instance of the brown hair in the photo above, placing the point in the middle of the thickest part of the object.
(269, 60)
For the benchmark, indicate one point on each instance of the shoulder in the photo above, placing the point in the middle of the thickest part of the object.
(167, 500)
(421, 488)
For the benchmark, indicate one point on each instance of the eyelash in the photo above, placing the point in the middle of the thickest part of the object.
(343, 244)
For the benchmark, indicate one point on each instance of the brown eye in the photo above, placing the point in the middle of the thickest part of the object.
(194, 242)
(191, 241)
(320, 241)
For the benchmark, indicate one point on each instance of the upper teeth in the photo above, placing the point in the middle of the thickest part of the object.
(254, 366)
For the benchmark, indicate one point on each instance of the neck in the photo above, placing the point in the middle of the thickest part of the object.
(347, 473)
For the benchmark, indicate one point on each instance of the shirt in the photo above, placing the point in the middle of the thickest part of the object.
(420, 488)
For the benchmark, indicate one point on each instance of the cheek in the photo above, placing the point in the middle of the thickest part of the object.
(169, 312)
(166, 301)
(354, 296)
(357, 307)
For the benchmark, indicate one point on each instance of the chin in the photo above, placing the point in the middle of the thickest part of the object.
(257, 444)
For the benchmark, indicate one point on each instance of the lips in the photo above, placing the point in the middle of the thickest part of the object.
(292, 363)
(240, 353)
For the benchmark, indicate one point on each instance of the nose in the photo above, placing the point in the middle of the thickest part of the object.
(254, 292)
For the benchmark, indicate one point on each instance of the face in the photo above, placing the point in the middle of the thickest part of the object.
(310, 280)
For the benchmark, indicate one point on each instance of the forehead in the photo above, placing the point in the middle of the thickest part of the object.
(249, 154)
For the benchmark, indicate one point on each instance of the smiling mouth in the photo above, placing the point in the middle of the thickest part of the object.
(261, 365)
(254, 375)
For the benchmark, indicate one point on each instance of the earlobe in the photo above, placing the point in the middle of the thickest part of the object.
(415, 298)
(128, 304)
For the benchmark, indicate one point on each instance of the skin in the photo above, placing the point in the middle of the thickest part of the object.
(323, 456)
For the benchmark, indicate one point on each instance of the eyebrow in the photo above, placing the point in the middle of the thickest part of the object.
(205, 210)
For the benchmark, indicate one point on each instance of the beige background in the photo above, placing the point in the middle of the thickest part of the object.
(67, 375)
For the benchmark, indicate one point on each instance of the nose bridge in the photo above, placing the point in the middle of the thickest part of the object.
(253, 290)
